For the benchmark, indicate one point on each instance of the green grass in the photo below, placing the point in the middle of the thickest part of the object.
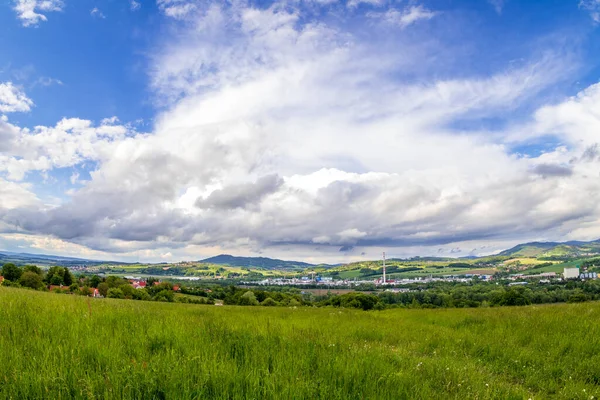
(52, 346)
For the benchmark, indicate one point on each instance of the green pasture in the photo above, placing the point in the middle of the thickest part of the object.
(62, 347)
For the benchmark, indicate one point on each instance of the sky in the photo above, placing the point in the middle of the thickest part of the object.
(314, 130)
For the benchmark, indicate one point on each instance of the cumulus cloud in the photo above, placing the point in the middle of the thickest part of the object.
(30, 12)
(13, 99)
(282, 132)
(134, 5)
(69, 143)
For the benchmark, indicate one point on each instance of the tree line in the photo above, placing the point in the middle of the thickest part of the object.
(61, 280)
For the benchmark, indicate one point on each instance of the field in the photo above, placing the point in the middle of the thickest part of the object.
(60, 346)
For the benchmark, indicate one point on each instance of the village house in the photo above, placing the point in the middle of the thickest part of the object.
(138, 284)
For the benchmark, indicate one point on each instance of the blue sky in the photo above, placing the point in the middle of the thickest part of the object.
(319, 130)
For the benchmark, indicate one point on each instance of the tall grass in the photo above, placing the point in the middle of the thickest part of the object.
(59, 347)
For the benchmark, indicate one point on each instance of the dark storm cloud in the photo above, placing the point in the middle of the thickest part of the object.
(552, 170)
(243, 195)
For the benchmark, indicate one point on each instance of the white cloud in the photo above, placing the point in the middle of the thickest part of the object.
(593, 7)
(374, 3)
(95, 12)
(13, 99)
(69, 143)
(134, 5)
(30, 11)
(287, 134)
(16, 195)
(177, 9)
(406, 17)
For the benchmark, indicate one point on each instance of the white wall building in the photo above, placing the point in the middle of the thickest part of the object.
(571, 273)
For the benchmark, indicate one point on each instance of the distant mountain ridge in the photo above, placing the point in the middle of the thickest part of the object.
(573, 248)
(256, 262)
(47, 260)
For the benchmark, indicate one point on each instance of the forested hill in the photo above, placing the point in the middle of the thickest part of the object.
(256, 262)
(554, 249)
(46, 260)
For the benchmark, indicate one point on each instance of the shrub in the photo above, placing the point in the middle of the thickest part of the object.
(31, 280)
(114, 293)
(269, 302)
(248, 299)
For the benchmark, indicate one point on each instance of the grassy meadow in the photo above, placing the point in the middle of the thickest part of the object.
(62, 347)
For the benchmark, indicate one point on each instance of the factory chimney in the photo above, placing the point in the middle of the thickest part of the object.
(384, 267)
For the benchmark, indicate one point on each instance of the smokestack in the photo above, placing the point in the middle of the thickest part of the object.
(384, 267)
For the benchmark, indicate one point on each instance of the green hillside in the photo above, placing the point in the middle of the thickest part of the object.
(58, 346)
(256, 262)
(554, 249)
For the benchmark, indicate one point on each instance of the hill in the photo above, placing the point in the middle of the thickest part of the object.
(554, 249)
(256, 262)
(47, 260)
(78, 347)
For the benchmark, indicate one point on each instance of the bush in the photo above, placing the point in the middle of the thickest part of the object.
(269, 302)
(114, 293)
(577, 298)
(31, 280)
(165, 295)
(248, 299)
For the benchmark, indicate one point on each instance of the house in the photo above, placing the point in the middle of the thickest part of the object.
(96, 293)
(1, 280)
(138, 284)
(176, 288)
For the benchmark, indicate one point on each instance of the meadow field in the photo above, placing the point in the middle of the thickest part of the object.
(61, 347)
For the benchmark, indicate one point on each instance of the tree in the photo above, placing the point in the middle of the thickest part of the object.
(55, 276)
(103, 289)
(11, 272)
(95, 281)
(31, 280)
(68, 278)
(33, 268)
(150, 281)
(248, 299)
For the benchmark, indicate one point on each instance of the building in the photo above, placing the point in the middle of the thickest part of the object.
(571, 273)
(1, 280)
